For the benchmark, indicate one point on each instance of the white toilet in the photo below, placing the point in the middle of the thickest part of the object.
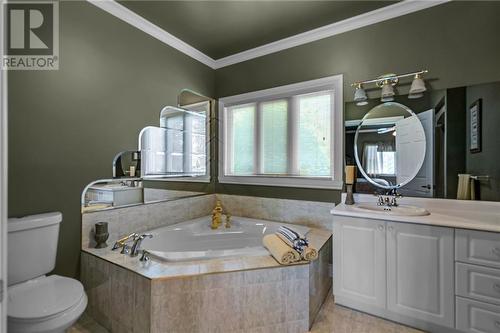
(36, 302)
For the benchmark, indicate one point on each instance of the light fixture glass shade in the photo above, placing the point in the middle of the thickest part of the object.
(387, 92)
(360, 96)
(417, 86)
(415, 96)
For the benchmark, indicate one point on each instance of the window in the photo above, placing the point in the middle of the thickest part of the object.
(285, 136)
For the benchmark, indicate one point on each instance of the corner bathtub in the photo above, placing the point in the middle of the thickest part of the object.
(195, 240)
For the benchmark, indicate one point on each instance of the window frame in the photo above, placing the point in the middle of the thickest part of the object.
(333, 181)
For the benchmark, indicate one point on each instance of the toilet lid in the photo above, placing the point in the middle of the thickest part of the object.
(43, 297)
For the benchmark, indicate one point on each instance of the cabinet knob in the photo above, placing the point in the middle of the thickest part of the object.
(496, 287)
(390, 228)
(381, 227)
(497, 324)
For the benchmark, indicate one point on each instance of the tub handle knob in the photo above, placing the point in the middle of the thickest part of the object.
(145, 256)
(125, 249)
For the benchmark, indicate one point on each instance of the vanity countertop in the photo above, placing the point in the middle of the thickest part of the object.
(476, 215)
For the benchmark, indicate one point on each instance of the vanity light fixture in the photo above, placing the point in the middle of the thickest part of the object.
(360, 96)
(417, 88)
(387, 91)
(387, 82)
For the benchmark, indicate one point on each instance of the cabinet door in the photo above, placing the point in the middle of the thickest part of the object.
(420, 274)
(359, 263)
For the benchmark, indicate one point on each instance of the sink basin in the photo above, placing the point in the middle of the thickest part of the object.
(401, 210)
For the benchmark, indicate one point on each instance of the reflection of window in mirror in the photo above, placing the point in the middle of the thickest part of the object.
(184, 133)
(379, 159)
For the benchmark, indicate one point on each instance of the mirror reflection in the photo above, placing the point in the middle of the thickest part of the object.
(390, 146)
(127, 164)
(180, 146)
(455, 166)
(114, 193)
(176, 150)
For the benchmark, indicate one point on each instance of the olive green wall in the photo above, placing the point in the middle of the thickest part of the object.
(455, 41)
(65, 126)
(486, 162)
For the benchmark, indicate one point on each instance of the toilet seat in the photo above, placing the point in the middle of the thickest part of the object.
(45, 304)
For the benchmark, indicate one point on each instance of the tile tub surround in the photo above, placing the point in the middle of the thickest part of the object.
(309, 213)
(138, 218)
(206, 290)
(124, 221)
(156, 268)
(273, 299)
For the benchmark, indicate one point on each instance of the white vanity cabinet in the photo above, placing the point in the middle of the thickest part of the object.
(400, 271)
(360, 255)
(477, 255)
(420, 272)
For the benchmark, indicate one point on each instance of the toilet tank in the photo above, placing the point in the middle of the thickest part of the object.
(32, 246)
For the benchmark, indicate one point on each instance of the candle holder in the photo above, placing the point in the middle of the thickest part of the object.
(349, 198)
(101, 234)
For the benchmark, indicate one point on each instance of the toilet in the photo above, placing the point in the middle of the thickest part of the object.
(36, 302)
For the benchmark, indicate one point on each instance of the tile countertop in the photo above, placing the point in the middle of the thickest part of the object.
(158, 269)
(475, 215)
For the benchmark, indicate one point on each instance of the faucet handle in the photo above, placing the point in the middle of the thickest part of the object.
(145, 256)
(228, 221)
(125, 249)
(121, 242)
(146, 236)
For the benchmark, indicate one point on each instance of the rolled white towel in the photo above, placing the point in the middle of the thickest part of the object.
(283, 253)
(310, 253)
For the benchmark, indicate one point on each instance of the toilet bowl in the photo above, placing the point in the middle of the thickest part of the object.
(38, 303)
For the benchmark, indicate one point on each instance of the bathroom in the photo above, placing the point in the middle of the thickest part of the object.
(210, 125)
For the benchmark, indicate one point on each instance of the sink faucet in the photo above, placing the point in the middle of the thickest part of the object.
(134, 252)
(217, 213)
(389, 200)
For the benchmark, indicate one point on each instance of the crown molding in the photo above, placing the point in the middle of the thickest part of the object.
(355, 22)
(352, 23)
(125, 14)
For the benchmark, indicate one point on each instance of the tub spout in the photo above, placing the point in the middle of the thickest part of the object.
(134, 252)
(217, 214)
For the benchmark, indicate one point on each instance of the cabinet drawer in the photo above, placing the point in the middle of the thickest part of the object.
(477, 247)
(477, 317)
(477, 282)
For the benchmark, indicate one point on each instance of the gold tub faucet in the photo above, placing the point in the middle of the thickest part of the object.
(217, 213)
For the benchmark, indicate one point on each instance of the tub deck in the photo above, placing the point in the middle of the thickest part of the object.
(236, 294)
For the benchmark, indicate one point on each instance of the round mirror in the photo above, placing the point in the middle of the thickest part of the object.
(389, 145)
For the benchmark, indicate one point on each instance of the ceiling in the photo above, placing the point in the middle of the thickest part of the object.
(223, 28)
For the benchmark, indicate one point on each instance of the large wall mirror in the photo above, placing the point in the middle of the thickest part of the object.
(390, 147)
(425, 147)
(178, 150)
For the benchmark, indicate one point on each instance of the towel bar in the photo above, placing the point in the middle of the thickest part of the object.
(481, 178)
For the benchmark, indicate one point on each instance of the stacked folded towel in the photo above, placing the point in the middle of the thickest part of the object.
(288, 246)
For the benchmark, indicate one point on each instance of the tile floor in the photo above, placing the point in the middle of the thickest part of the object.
(338, 319)
(331, 319)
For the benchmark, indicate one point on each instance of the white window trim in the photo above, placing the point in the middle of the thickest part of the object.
(334, 83)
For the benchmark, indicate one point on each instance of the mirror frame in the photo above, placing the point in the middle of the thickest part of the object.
(358, 162)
